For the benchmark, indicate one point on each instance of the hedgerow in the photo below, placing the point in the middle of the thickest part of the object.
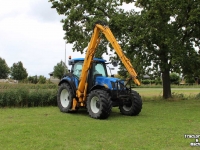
(28, 95)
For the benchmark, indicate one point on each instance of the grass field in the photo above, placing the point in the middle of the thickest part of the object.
(151, 93)
(160, 125)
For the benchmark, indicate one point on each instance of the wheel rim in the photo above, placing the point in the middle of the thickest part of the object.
(64, 98)
(127, 107)
(94, 104)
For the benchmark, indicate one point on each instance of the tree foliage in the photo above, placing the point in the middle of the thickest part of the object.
(41, 80)
(160, 38)
(33, 79)
(165, 34)
(59, 70)
(4, 69)
(81, 17)
(174, 78)
(18, 72)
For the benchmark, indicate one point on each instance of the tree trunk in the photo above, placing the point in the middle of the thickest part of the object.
(166, 84)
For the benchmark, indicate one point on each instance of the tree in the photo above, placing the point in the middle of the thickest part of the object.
(189, 79)
(4, 69)
(162, 35)
(42, 80)
(60, 69)
(18, 72)
(33, 79)
(80, 19)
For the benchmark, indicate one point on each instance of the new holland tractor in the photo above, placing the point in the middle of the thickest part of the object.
(88, 84)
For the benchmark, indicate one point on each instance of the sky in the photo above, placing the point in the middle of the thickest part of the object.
(31, 32)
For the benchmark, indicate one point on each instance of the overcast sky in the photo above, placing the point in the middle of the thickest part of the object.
(31, 32)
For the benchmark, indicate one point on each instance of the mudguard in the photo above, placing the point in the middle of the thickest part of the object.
(72, 80)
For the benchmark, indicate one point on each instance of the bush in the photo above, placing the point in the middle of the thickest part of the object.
(158, 82)
(189, 79)
(174, 78)
(152, 81)
(4, 86)
(146, 82)
(179, 96)
(27, 97)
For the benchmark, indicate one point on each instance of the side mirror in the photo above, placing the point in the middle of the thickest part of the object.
(70, 62)
(115, 63)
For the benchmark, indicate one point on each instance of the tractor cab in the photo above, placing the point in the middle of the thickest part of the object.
(98, 67)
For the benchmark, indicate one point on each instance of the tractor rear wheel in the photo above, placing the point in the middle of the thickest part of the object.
(99, 104)
(132, 106)
(64, 97)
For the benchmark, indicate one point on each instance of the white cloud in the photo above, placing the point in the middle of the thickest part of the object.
(42, 11)
(34, 40)
(12, 8)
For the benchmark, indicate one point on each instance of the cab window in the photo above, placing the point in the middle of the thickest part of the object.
(77, 69)
(100, 69)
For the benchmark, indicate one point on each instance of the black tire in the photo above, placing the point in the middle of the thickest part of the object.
(133, 106)
(64, 98)
(99, 104)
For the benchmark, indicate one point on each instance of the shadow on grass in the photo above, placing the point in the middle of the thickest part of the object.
(115, 113)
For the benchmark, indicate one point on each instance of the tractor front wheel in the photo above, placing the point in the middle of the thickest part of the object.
(64, 97)
(99, 104)
(132, 106)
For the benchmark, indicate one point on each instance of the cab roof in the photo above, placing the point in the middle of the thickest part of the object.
(82, 59)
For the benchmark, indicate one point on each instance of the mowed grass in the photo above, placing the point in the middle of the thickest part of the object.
(157, 92)
(160, 125)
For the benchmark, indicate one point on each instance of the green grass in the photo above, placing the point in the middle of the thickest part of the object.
(156, 93)
(160, 125)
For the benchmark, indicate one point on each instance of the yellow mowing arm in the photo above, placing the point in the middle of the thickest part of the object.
(82, 87)
(110, 37)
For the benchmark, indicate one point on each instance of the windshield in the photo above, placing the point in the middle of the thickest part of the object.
(77, 68)
(100, 69)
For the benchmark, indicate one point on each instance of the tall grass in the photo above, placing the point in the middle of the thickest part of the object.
(27, 95)
(4, 86)
(33, 95)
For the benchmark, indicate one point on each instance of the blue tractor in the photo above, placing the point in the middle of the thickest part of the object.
(103, 92)
(88, 84)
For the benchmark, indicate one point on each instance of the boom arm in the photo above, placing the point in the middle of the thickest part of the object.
(82, 87)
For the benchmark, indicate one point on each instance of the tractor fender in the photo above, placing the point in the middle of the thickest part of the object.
(71, 84)
(97, 87)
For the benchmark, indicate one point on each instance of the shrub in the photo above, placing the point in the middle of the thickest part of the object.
(146, 82)
(158, 81)
(28, 96)
(174, 78)
(179, 96)
(189, 79)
